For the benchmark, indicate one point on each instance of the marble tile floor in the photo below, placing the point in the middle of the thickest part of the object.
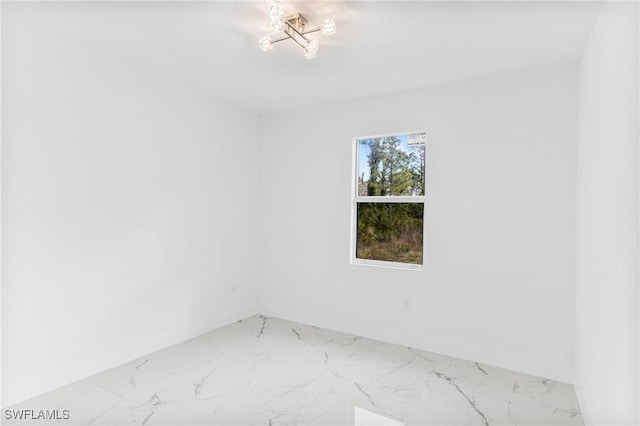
(267, 371)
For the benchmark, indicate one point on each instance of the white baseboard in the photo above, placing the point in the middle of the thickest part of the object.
(79, 369)
(510, 361)
(73, 372)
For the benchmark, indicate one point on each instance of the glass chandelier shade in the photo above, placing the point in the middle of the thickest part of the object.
(265, 43)
(328, 27)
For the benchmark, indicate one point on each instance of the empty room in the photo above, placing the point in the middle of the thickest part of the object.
(320, 212)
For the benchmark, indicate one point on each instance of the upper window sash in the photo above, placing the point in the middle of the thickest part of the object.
(390, 166)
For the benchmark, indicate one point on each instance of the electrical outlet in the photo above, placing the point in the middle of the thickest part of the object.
(406, 304)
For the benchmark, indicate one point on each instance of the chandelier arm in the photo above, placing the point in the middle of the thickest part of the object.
(282, 38)
(297, 32)
(295, 39)
(312, 30)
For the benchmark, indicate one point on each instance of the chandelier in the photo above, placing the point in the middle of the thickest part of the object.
(294, 27)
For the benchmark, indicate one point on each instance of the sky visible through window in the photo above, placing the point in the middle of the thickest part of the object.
(363, 155)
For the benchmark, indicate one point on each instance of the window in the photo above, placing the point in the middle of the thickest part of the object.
(388, 200)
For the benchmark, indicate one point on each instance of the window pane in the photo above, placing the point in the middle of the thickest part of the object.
(390, 231)
(391, 166)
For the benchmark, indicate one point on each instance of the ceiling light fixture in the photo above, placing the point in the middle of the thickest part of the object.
(295, 27)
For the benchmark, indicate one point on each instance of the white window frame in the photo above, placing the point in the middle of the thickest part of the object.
(355, 199)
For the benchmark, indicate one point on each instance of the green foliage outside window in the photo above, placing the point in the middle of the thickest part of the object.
(390, 231)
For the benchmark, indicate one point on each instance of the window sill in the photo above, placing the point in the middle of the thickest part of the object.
(388, 265)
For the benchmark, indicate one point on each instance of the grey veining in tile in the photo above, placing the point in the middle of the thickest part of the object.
(266, 371)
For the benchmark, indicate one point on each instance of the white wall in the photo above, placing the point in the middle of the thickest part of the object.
(607, 220)
(127, 198)
(128, 211)
(499, 280)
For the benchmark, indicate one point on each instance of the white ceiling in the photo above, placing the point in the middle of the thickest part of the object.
(379, 47)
